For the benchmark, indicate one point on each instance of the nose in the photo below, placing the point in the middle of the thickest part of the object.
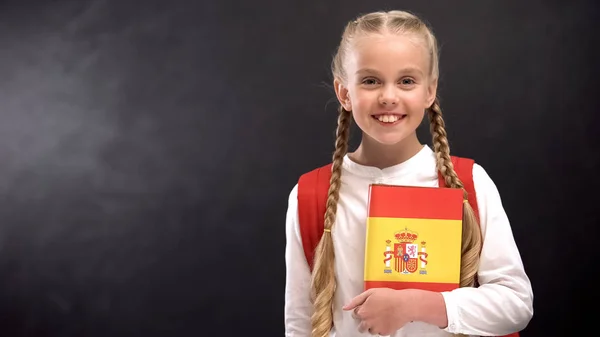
(388, 96)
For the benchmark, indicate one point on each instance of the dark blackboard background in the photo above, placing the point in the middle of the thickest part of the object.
(147, 150)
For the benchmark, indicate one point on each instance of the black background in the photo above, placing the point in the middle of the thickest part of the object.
(147, 151)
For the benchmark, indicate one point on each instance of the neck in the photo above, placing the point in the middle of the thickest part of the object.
(372, 153)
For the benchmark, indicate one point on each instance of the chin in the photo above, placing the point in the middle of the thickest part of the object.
(389, 139)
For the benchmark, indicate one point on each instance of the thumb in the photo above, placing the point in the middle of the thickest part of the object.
(358, 300)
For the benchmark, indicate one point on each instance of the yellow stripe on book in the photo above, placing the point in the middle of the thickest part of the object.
(413, 250)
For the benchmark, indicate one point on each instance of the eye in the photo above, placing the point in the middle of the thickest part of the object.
(407, 81)
(370, 81)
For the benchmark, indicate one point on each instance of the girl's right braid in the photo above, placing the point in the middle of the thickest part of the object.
(323, 277)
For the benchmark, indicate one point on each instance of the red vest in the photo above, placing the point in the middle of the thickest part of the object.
(312, 197)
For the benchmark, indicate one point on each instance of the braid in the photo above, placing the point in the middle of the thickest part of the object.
(471, 234)
(471, 237)
(323, 278)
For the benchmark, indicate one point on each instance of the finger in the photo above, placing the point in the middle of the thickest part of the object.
(355, 314)
(358, 300)
(363, 327)
(373, 332)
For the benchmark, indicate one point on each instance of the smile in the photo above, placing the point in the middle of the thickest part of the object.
(389, 118)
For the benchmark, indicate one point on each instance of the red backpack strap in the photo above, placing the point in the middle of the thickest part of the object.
(464, 169)
(312, 197)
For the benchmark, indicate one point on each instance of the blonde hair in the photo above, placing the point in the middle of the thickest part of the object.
(323, 275)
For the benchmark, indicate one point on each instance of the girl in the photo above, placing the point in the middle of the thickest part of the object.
(385, 78)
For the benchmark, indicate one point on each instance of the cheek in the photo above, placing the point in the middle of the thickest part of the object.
(363, 99)
(415, 99)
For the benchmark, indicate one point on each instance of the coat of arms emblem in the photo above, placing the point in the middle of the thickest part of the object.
(407, 255)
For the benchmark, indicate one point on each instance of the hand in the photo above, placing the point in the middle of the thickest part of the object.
(382, 310)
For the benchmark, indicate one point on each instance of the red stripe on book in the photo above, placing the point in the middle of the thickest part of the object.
(387, 201)
(431, 286)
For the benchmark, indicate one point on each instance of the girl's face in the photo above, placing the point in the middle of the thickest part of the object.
(387, 85)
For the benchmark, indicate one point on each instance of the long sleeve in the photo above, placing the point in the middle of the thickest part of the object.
(298, 308)
(503, 303)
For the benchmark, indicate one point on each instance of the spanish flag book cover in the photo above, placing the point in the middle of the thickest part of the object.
(413, 238)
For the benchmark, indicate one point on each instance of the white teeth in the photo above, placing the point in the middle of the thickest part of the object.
(388, 118)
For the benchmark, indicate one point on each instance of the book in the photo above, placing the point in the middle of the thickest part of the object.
(414, 238)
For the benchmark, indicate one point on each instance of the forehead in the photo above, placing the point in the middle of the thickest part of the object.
(387, 53)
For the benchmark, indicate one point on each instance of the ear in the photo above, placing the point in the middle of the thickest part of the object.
(342, 94)
(431, 92)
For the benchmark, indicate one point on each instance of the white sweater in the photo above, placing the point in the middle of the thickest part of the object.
(501, 304)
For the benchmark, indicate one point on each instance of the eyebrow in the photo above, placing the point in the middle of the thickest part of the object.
(402, 71)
